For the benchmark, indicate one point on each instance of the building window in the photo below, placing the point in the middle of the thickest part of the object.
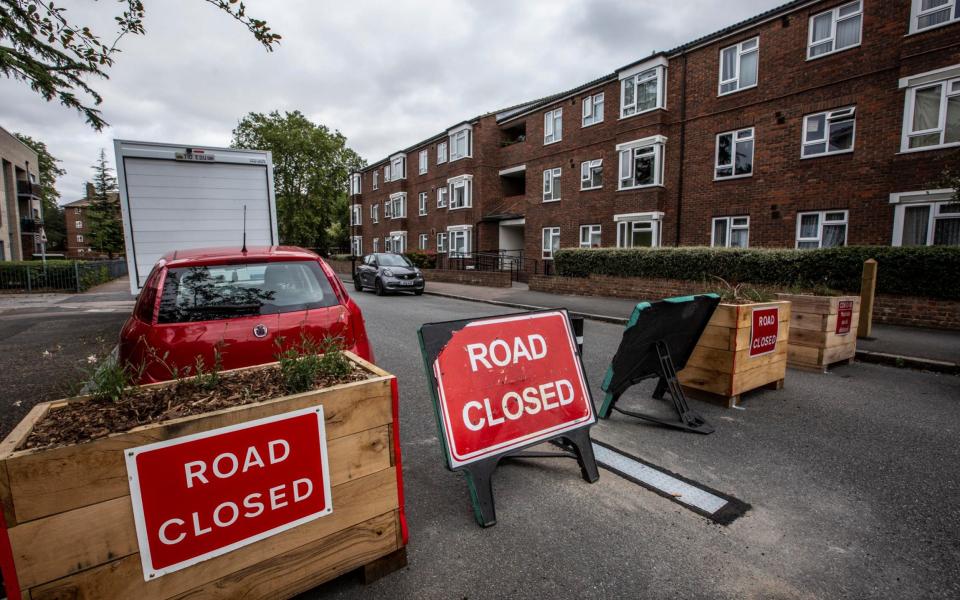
(355, 179)
(422, 203)
(386, 173)
(926, 14)
(551, 242)
(932, 117)
(589, 236)
(553, 126)
(398, 210)
(591, 174)
(441, 152)
(423, 241)
(734, 154)
(824, 229)
(461, 143)
(78, 224)
(641, 163)
(593, 109)
(738, 66)
(396, 242)
(423, 161)
(398, 167)
(460, 191)
(441, 197)
(441, 243)
(551, 185)
(835, 30)
(356, 245)
(730, 232)
(356, 215)
(642, 91)
(829, 132)
(375, 213)
(927, 223)
(376, 179)
(79, 238)
(376, 245)
(636, 233)
(459, 242)
(76, 211)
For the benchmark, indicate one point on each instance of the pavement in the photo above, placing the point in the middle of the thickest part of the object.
(931, 349)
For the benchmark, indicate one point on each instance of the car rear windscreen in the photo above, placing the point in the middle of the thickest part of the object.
(213, 292)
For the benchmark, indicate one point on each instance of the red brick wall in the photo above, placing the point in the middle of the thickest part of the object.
(468, 277)
(892, 310)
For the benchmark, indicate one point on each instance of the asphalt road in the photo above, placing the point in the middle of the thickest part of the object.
(852, 477)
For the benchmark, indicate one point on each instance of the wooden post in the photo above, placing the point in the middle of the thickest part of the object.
(868, 286)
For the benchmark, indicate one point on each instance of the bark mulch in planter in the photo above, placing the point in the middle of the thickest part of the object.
(81, 422)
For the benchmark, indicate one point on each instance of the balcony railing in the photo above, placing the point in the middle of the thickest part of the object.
(28, 225)
(27, 189)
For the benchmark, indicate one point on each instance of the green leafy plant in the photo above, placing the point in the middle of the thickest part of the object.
(740, 293)
(422, 260)
(301, 364)
(110, 381)
(209, 379)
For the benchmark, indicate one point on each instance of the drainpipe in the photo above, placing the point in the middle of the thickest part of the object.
(683, 141)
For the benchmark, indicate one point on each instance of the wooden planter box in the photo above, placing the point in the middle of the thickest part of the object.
(70, 524)
(721, 367)
(815, 343)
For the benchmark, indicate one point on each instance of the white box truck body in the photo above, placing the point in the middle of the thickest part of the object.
(177, 197)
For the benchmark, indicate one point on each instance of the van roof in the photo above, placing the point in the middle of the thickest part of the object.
(233, 254)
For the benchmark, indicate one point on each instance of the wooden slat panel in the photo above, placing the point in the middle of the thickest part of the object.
(754, 378)
(51, 481)
(810, 321)
(721, 338)
(56, 546)
(308, 566)
(353, 503)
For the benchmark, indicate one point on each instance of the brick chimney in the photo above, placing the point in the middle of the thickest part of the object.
(90, 191)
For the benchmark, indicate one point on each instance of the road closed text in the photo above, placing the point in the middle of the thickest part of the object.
(203, 495)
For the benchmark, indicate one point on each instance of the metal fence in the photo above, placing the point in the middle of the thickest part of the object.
(59, 275)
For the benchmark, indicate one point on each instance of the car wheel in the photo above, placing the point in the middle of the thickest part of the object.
(378, 287)
(357, 285)
(417, 292)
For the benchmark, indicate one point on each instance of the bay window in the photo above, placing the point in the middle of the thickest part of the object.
(730, 232)
(641, 162)
(734, 156)
(638, 230)
(461, 142)
(822, 229)
(738, 66)
(356, 245)
(830, 132)
(397, 206)
(355, 180)
(642, 88)
(397, 242)
(398, 167)
(356, 215)
(459, 237)
(835, 30)
(551, 242)
(460, 191)
(926, 218)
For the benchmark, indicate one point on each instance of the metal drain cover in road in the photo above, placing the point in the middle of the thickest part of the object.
(714, 505)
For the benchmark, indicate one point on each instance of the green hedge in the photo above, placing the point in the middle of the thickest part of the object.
(932, 272)
(422, 259)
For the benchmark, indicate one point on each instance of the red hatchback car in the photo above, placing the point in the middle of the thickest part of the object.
(249, 303)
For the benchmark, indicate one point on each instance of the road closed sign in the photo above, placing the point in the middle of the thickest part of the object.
(764, 330)
(207, 494)
(504, 383)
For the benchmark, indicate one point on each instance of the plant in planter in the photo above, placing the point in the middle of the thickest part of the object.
(743, 348)
(824, 324)
(76, 481)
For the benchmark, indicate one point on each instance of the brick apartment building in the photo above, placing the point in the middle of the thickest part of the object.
(818, 123)
(76, 215)
(21, 215)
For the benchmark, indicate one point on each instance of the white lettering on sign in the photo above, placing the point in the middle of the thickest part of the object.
(500, 353)
(763, 342)
(767, 320)
(514, 405)
(227, 464)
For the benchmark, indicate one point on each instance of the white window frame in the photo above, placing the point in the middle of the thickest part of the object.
(441, 153)
(398, 167)
(734, 140)
(658, 143)
(442, 242)
(821, 221)
(590, 231)
(741, 52)
(835, 20)
(552, 126)
(457, 233)
(630, 221)
(375, 213)
(356, 181)
(916, 12)
(830, 116)
(397, 239)
(356, 214)
(424, 240)
(78, 224)
(647, 71)
(386, 173)
(455, 183)
(79, 238)
(376, 179)
(423, 160)
(592, 110)
(463, 133)
(422, 204)
(376, 245)
(551, 234)
(730, 227)
(356, 245)
(442, 197)
(552, 184)
(586, 174)
(398, 200)
(949, 88)
(935, 199)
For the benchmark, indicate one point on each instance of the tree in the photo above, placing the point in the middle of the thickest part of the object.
(310, 169)
(49, 169)
(106, 229)
(56, 57)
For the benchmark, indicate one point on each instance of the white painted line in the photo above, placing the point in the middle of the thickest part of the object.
(680, 490)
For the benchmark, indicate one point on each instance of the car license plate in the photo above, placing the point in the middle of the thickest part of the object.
(406, 283)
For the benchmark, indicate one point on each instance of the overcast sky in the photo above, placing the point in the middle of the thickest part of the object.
(386, 74)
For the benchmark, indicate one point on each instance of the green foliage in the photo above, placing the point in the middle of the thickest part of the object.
(56, 57)
(422, 260)
(932, 271)
(110, 381)
(740, 293)
(303, 363)
(106, 227)
(950, 177)
(310, 167)
(54, 222)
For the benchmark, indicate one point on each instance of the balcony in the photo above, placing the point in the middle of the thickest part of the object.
(28, 225)
(26, 189)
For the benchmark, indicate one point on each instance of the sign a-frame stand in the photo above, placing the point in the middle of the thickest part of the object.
(657, 342)
(503, 384)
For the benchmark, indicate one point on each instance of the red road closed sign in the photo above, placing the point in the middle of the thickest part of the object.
(844, 316)
(764, 330)
(507, 383)
(203, 495)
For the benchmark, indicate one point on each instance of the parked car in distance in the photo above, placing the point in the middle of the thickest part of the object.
(249, 305)
(388, 272)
